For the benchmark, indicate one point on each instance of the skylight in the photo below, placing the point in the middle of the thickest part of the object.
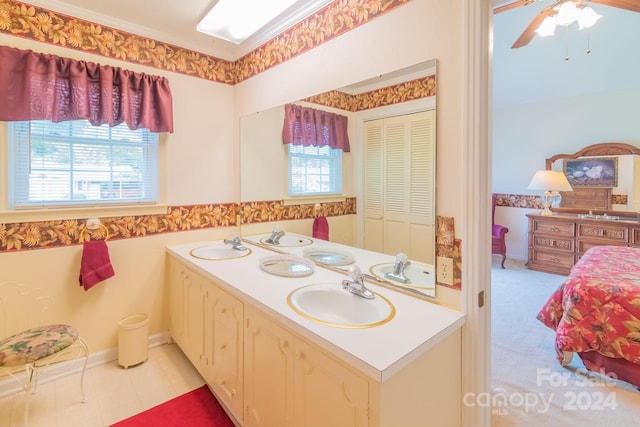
(236, 20)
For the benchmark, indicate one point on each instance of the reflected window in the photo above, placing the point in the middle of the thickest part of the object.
(314, 170)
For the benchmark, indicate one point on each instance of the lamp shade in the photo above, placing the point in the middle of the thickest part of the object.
(549, 180)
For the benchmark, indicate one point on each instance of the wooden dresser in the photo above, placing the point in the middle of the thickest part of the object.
(558, 241)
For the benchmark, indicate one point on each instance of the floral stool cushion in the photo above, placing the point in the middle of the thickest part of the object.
(34, 344)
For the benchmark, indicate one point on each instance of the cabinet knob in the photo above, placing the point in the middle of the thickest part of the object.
(223, 346)
(300, 355)
(553, 259)
(554, 229)
(221, 381)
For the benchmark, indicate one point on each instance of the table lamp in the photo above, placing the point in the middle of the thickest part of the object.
(551, 182)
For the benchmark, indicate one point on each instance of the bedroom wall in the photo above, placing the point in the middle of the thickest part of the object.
(525, 135)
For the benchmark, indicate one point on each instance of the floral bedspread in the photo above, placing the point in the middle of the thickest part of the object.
(598, 307)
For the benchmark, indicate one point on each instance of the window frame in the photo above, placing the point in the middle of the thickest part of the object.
(337, 172)
(8, 215)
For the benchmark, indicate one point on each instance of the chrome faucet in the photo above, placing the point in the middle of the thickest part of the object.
(356, 284)
(235, 242)
(276, 234)
(399, 267)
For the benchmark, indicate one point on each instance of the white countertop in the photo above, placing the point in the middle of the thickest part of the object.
(379, 351)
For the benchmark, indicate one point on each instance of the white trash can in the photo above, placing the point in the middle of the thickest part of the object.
(133, 340)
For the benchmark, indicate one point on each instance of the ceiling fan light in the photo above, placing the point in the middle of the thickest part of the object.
(547, 27)
(567, 13)
(587, 17)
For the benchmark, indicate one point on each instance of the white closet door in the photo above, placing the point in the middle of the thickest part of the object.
(400, 187)
(373, 186)
(422, 194)
(396, 236)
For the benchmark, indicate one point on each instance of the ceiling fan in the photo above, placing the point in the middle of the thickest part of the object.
(553, 10)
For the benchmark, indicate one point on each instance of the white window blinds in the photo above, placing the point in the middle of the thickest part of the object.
(314, 170)
(73, 163)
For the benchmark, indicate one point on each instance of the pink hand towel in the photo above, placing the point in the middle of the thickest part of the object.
(321, 228)
(95, 265)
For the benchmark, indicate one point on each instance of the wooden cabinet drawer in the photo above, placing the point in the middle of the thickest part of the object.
(542, 242)
(557, 242)
(587, 198)
(613, 234)
(551, 227)
(584, 245)
(557, 262)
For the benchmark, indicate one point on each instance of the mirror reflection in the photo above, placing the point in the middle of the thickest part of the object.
(387, 198)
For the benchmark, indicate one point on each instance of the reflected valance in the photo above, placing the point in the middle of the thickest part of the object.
(37, 86)
(308, 126)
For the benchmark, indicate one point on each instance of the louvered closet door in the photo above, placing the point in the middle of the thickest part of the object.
(373, 186)
(403, 176)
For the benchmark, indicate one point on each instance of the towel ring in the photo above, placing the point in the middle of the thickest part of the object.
(91, 230)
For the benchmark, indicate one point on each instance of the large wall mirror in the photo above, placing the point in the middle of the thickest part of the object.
(392, 97)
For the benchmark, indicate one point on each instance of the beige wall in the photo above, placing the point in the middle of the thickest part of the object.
(200, 168)
(202, 158)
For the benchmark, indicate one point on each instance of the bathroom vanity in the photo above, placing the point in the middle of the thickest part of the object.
(269, 365)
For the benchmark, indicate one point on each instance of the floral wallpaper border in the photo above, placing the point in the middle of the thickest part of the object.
(423, 87)
(66, 232)
(266, 211)
(23, 236)
(533, 202)
(40, 24)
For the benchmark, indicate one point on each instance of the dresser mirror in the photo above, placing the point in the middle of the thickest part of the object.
(621, 200)
(264, 159)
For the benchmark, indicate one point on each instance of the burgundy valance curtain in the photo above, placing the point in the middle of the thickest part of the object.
(37, 86)
(308, 126)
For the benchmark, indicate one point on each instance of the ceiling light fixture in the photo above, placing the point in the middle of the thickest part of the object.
(237, 20)
(565, 13)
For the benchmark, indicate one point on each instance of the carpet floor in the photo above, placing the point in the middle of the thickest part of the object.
(197, 408)
(529, 387)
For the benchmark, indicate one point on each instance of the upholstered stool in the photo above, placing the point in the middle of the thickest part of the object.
(32, 345)
(31, 348)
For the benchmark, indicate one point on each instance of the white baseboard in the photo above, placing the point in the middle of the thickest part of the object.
(10, 385)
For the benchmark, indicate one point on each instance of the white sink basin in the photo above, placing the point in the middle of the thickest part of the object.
(329, 304)
(288, 241)
(420, 276)
(218, 251)
(328, 257)
(287, 266)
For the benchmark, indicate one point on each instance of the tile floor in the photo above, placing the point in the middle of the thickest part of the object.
(113, 393)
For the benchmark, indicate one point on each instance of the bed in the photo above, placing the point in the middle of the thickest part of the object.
(596, 313)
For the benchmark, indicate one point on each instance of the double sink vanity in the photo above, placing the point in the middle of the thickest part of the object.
(311, 333)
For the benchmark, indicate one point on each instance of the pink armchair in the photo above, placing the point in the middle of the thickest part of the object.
(498, 246)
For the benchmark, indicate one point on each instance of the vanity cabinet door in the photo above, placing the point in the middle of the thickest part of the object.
(326, 392)
(186, 308)
(223, 333)
(268, 383)
(176, 301)
(194, 294)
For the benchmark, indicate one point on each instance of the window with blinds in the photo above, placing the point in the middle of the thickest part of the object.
(314, 170)
(74, 163)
